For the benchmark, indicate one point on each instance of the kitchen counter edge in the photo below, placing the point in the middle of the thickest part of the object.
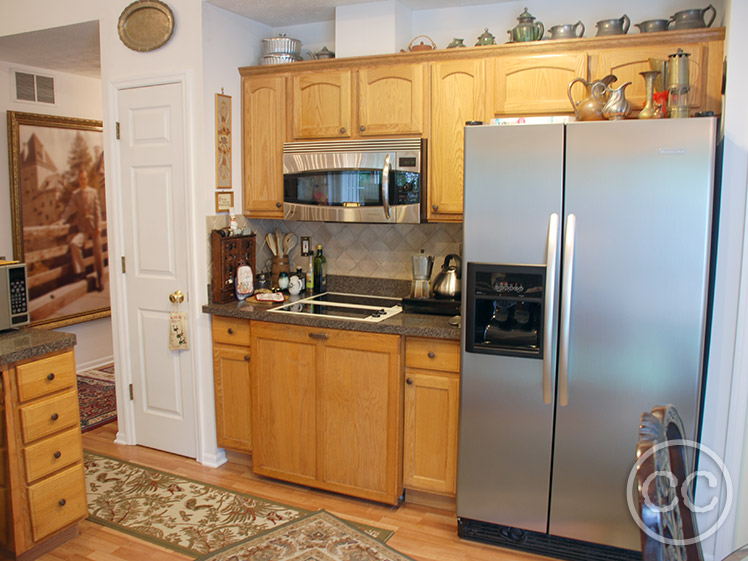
(414, 325)
(23, 344)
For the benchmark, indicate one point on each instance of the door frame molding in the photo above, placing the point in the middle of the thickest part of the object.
(126, 433)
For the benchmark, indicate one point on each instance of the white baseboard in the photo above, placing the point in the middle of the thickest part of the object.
(214, 460)
(93, 364)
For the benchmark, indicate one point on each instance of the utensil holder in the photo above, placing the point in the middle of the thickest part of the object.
(279, 264)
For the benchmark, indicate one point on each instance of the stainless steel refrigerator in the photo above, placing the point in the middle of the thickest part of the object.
(585, 298)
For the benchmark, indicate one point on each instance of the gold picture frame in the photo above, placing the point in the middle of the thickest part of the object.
(224, 201)
(223, 141)
(58, 216)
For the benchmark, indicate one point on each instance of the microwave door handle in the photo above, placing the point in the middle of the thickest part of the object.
(386, 186)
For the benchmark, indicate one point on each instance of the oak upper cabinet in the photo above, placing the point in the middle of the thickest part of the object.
(264, 125)
(231, 360)
(432, 397)
(626, 64)
(321, 104)
(524, 84)
(391, 100)
(457, 96)
(327, 409)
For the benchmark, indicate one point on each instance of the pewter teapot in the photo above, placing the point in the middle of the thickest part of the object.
(527, 29)
(691, 19)
(590, 108)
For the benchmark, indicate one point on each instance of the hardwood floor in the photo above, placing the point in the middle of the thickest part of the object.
(424, 533)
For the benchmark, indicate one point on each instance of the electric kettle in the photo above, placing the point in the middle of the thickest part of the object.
(447, 281)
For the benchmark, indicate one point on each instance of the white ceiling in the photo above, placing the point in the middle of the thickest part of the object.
(73, 49)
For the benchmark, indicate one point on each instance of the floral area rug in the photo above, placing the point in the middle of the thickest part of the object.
(96, 397)
(181, 514)
(319, 536)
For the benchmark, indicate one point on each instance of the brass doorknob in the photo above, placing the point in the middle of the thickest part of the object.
(176, 297)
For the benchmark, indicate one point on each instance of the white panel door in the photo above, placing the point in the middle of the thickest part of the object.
(152, 154)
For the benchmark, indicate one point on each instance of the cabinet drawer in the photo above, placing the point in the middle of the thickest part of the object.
(432, 354)
(53, 453)
(49, 416)
(58, 501)
(232, 331)
(45, 376)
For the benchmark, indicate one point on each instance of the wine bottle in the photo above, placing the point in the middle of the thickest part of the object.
(320, 272)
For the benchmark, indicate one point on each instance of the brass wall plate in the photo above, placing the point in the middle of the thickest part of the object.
(145, 25)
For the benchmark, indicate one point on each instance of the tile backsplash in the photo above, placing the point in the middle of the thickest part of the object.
(362, 250)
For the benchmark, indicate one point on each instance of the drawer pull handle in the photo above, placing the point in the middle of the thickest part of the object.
(231, 330)
(51, 376)
(431, 354)
(409, 381)
(61, 502)
(246, 357)
(321, 336)
(57, 455)
(55, 416)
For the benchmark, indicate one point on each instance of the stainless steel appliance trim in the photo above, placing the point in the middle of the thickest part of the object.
(565, 318)
(399, 214)
(299, 162)
(551, 262)
(368, 145)
(386, 186)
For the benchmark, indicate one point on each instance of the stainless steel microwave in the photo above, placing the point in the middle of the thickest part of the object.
(371, 181)
(14, 295)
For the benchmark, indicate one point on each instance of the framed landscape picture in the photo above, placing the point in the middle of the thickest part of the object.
(58, 213)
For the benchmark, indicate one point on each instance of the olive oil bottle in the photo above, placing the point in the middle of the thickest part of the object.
(320, 272)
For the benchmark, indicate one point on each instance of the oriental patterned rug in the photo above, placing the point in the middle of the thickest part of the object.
(96, 397)
(319, 536)
(181, 514)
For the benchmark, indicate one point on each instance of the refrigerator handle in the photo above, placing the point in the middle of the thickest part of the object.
(551, 262)
(565, 318)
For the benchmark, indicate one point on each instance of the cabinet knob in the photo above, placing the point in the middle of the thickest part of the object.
(62, 502)
(435, 207)
(57, 455)
(55, 416)
(246, 357)
(409, 381)
(362, 128)
(51, 376)
(431, 354)
(230, 330)
(278, 205)
(342, 130)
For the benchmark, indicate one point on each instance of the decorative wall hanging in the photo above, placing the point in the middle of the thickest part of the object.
(58, 214)
(146, 25)
(224, 201)
(223, 141)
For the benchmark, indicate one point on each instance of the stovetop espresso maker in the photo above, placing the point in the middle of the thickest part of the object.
(422, 267)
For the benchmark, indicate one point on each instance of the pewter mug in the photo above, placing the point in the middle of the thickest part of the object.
(692, 19)
(618, 26)
(567, 31)
(653, 25)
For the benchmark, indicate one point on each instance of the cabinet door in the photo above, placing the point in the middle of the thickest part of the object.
(535, 84)
(626, 64)
(284, 400)
(360, 423)
(232, 396)
(430, 440)
(390, 100)
(321, 104)
(457, 96)
(264, 110)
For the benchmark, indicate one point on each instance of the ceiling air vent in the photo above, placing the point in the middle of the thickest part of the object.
(32, 87)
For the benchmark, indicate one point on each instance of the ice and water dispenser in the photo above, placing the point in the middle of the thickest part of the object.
(504, 309)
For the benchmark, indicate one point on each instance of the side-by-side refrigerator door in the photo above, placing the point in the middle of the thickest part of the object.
(640, 194)
(512, 204)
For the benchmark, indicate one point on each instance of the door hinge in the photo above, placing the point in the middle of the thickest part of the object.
(124, 265)
(131, 396)
(116, 130)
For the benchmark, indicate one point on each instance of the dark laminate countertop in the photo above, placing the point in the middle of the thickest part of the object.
(401, 324)
(28, 343)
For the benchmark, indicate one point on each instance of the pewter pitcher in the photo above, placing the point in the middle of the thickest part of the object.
(590, 108)
(618, 26)
(617, 106)
(567, 31)
(692, 19)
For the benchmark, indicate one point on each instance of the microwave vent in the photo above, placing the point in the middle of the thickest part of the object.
(370, 145)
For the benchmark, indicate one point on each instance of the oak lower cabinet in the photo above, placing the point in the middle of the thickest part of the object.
(42, 481)
(231, 359)
(327, 409)
(432, 397)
